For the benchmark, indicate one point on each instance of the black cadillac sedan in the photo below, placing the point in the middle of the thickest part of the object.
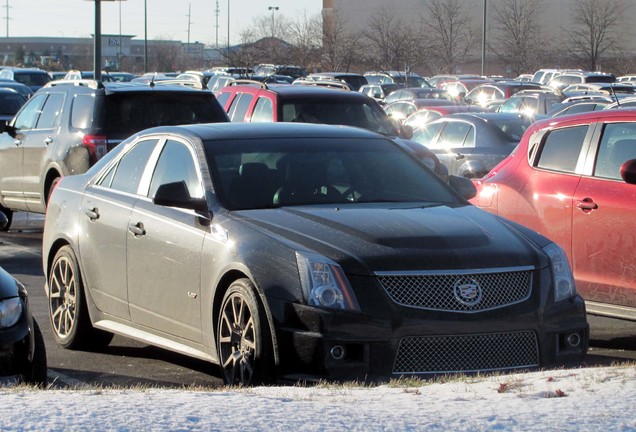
(22, 350)
(298, 250)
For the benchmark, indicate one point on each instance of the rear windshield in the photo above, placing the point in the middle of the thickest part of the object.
(128, 113)
(10, 103)
(32, 79)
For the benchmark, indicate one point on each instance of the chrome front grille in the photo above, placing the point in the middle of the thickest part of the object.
(458, 291)
(467, 353)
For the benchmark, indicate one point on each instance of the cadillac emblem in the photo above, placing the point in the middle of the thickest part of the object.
(467, 291)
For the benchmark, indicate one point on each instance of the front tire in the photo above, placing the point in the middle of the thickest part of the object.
(72, 327)
(243, 337)
(9, 214)
(36, 372)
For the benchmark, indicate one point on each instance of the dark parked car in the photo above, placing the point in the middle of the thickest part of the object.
(22, 350)
(283, 250)
(470, 144)
(379, 91)
(34, 78)
(10, 102)
(402, 109)
(573, 179)
(23, 89)
(68, 125)
(353, 80)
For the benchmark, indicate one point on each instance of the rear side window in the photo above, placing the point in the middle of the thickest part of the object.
(561, 149)
(131, 167)
(239, 107)
(263, 111)
(82, 111)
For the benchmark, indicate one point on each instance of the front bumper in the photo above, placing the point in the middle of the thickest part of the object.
(16, 347)
(331, 345)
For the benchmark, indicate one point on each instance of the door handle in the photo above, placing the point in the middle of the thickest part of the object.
(137, 229)
(586, 204)
(17, 142)
(48, 140)
(93, 214)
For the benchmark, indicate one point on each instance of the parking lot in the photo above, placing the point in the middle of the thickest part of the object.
(126, 362)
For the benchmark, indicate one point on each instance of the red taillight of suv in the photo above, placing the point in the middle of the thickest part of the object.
(97, 146)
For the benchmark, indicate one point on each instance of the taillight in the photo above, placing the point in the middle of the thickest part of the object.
(97, 146)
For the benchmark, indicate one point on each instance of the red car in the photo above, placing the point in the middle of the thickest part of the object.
(573, 179)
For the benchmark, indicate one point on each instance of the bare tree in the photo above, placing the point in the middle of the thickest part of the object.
(448, 34)
(595, 30)
(392, 44)
(304, 35)
(341, 46)
(517, 39)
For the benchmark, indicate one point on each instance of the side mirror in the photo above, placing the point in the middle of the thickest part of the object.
(628, 171)
(6, 127)
(463, 186)
(177, 195)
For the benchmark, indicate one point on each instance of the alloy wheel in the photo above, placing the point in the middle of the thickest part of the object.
(237, 341)
(63, 297)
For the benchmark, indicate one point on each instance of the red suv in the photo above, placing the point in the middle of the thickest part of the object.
(259, 102)
(573, 179)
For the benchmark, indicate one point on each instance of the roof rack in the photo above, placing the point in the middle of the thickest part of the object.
(179, 82)
(326, 83)
(80, 83)
(248, 82)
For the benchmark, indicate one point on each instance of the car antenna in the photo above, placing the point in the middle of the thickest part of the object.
(618, 104)
(152, 81)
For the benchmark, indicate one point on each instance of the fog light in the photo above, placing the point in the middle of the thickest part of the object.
(573, 340)
(338, 352)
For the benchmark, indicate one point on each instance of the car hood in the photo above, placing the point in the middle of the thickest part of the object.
(364, 239)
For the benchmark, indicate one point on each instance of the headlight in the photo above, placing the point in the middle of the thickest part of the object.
(10, 311)
(324, 284)
(563, 280)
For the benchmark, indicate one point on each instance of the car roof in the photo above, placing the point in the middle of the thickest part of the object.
(240, 131)
(286, 90)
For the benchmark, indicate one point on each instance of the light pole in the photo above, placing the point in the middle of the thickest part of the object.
(145, 37)
(483, 43)
(273, 9)
(97, 47)
(228, 33)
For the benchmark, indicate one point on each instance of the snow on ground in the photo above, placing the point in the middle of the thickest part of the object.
(590, 399)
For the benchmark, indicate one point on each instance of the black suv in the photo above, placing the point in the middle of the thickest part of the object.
(68, 125)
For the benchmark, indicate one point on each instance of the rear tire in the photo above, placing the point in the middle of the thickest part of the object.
(72, 327)
(9, 214)
(243, 337)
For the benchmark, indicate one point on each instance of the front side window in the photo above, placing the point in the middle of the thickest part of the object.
(28, 117)
(561, 149)
(176, 164)
(618, 145)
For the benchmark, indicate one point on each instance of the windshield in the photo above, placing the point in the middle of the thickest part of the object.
(270, 173)
(512, 128)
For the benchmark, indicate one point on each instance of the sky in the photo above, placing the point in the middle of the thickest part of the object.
(166, 19)
(578, 400)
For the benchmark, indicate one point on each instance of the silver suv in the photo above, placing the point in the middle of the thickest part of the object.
(68, 125)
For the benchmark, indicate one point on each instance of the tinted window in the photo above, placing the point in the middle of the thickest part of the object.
(10, 103)
(82, 111)
(617, 146)
(50, 116)
(131, 166)
(130, 112)
(32, 78)
(28, 117)
(313, 171)
(176, 164)
(561, 149)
